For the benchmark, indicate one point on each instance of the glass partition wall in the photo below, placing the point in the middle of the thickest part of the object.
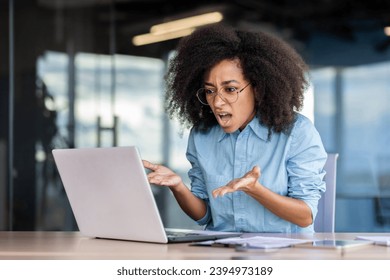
(352, 113)
(73, 88)
(70, 78)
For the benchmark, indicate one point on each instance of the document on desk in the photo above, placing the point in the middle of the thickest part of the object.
(261, 242)
(377, 239)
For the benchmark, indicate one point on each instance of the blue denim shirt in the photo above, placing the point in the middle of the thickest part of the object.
(291, 165)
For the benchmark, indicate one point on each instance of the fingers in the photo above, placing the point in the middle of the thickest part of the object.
(149, 165)
(254, 173)
(244, 183)
(229, 188)
(153, 177)
(222, 191)
(146, 164)
(158, 180)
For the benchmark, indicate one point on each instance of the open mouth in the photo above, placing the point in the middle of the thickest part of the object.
(224, 117)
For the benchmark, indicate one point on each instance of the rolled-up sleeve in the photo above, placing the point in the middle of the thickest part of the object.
(196, 177)
(305, 164)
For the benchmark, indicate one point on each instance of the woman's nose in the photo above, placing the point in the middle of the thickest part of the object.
(218, 100)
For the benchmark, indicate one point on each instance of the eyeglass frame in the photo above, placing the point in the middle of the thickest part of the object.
(238, 91)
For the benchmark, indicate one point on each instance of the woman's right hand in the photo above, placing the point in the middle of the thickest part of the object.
(161, 175)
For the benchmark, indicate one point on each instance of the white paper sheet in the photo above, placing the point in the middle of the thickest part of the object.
(377, 239)
(255, 242)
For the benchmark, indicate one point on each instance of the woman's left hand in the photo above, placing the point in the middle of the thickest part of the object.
(245, 183)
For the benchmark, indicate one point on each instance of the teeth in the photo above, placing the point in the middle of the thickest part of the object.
(225, 117)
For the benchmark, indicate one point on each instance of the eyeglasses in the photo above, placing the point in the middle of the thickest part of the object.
(229, 94)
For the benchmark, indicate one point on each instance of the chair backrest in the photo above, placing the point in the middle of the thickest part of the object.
(325, 219)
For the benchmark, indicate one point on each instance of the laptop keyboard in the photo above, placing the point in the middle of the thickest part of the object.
(180, 234)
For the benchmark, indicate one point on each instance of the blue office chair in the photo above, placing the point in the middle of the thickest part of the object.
(325, 219)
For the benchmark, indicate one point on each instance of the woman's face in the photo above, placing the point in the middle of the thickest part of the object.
(228, 75)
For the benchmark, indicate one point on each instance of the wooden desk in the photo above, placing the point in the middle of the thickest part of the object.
(72, 245)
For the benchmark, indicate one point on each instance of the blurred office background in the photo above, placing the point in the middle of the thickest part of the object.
(71, 76)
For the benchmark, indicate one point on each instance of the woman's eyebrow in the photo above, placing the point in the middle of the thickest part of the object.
(223, 83)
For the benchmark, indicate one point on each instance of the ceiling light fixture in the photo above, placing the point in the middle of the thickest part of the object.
(151, 38)
(176, 28)
(188, 22)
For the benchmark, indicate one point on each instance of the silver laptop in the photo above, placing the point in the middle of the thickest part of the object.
(111, 197)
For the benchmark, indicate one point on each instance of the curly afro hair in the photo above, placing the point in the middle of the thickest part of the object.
(275, 70)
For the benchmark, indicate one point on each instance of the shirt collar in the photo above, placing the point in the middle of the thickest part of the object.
(258, 129)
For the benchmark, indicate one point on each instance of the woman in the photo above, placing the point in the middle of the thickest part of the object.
(257, 164)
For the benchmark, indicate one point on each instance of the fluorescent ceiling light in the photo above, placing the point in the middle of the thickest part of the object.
(150, 38)
(188, 22)
(176, 28)
(387, 30)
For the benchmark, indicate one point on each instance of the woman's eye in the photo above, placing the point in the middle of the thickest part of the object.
(230, 89)
(208, 91)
